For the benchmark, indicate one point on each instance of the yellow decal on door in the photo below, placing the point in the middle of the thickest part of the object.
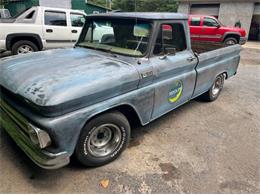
(175, 92)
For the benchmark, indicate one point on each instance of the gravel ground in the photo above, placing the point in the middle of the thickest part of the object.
(198, 148)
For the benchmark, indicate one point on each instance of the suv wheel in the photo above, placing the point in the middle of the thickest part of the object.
(230, 41)
(103, 139)
(23, 47)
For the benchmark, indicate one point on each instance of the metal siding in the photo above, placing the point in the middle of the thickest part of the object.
(17, 7)
(90, 9)
(58, 4)
(78, 4)
(207, 10)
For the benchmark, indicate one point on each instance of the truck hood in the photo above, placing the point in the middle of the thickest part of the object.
(68, 78)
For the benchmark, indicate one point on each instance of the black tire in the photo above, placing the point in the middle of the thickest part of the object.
(230, 41)
(87, 153)
(211, 95)
(23, 43)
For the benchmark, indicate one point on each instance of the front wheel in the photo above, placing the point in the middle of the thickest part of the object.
(103, 139)
(215, 90)
(230, 41)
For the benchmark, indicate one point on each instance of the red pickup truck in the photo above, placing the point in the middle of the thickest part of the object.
(208, 28)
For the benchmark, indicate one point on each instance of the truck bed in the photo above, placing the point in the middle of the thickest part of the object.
(202, 47)
(213, 62)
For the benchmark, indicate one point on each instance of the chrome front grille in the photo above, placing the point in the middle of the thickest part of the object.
(19, 120)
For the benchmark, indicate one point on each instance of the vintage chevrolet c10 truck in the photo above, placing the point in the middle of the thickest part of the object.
(83, 100)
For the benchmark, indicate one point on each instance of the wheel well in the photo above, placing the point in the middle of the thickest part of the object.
(25, 38)
(127, 110)
(237, 37)
(130, 114)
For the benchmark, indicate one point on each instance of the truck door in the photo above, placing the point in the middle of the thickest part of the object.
(195, 27)
(77, 21)
(210, 30)
(174, 68)
(56, 30)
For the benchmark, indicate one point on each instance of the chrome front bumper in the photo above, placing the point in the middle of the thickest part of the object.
(13, 123)
(242, 40)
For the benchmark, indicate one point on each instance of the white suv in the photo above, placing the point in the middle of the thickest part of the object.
(40, 28)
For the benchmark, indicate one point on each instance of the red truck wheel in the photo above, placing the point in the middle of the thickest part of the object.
(230, 41)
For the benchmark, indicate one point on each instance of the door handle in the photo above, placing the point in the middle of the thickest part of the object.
(74, 31)
(146, 74)
(49, 30)
(190, 59)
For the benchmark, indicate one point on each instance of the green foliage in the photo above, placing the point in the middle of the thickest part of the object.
(123, 5)
(99, 2)
(145, 5)
(140, 5)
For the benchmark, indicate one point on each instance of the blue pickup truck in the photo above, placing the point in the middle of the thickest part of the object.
(84, 100)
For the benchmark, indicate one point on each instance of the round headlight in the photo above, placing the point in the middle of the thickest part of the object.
(39, 137)
(33, 135)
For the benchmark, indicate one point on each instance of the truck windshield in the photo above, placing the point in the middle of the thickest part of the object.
(121, 36)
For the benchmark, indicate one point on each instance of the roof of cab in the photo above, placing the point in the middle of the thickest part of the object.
(142, 15)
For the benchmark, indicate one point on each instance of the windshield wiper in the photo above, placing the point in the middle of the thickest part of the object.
(84, 46)
(109, 50)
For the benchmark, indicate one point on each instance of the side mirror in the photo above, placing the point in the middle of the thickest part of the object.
(163, 57)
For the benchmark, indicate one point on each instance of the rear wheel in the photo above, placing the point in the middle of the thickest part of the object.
(215, 90)
(24, 47)
(103, 139)
(230, 41)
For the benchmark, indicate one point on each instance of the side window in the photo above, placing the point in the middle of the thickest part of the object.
(55, 18)
(77, 20)
(100, 32)
(195, 21)
(210, 22)
(171, 39)
(30, 15)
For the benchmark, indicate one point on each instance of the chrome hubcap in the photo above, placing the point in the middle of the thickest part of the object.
(217, 86)
(104, 140)
(230, 42)
(24, 49)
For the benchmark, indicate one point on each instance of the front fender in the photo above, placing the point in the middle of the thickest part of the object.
(230, 33)
(64, 130)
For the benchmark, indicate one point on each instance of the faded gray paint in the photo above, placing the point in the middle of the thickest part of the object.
(77, 84)
(57, 4)
(83, 73)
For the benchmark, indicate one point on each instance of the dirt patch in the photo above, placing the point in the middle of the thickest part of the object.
(171, 172)
(238, 186)
(134, 143)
